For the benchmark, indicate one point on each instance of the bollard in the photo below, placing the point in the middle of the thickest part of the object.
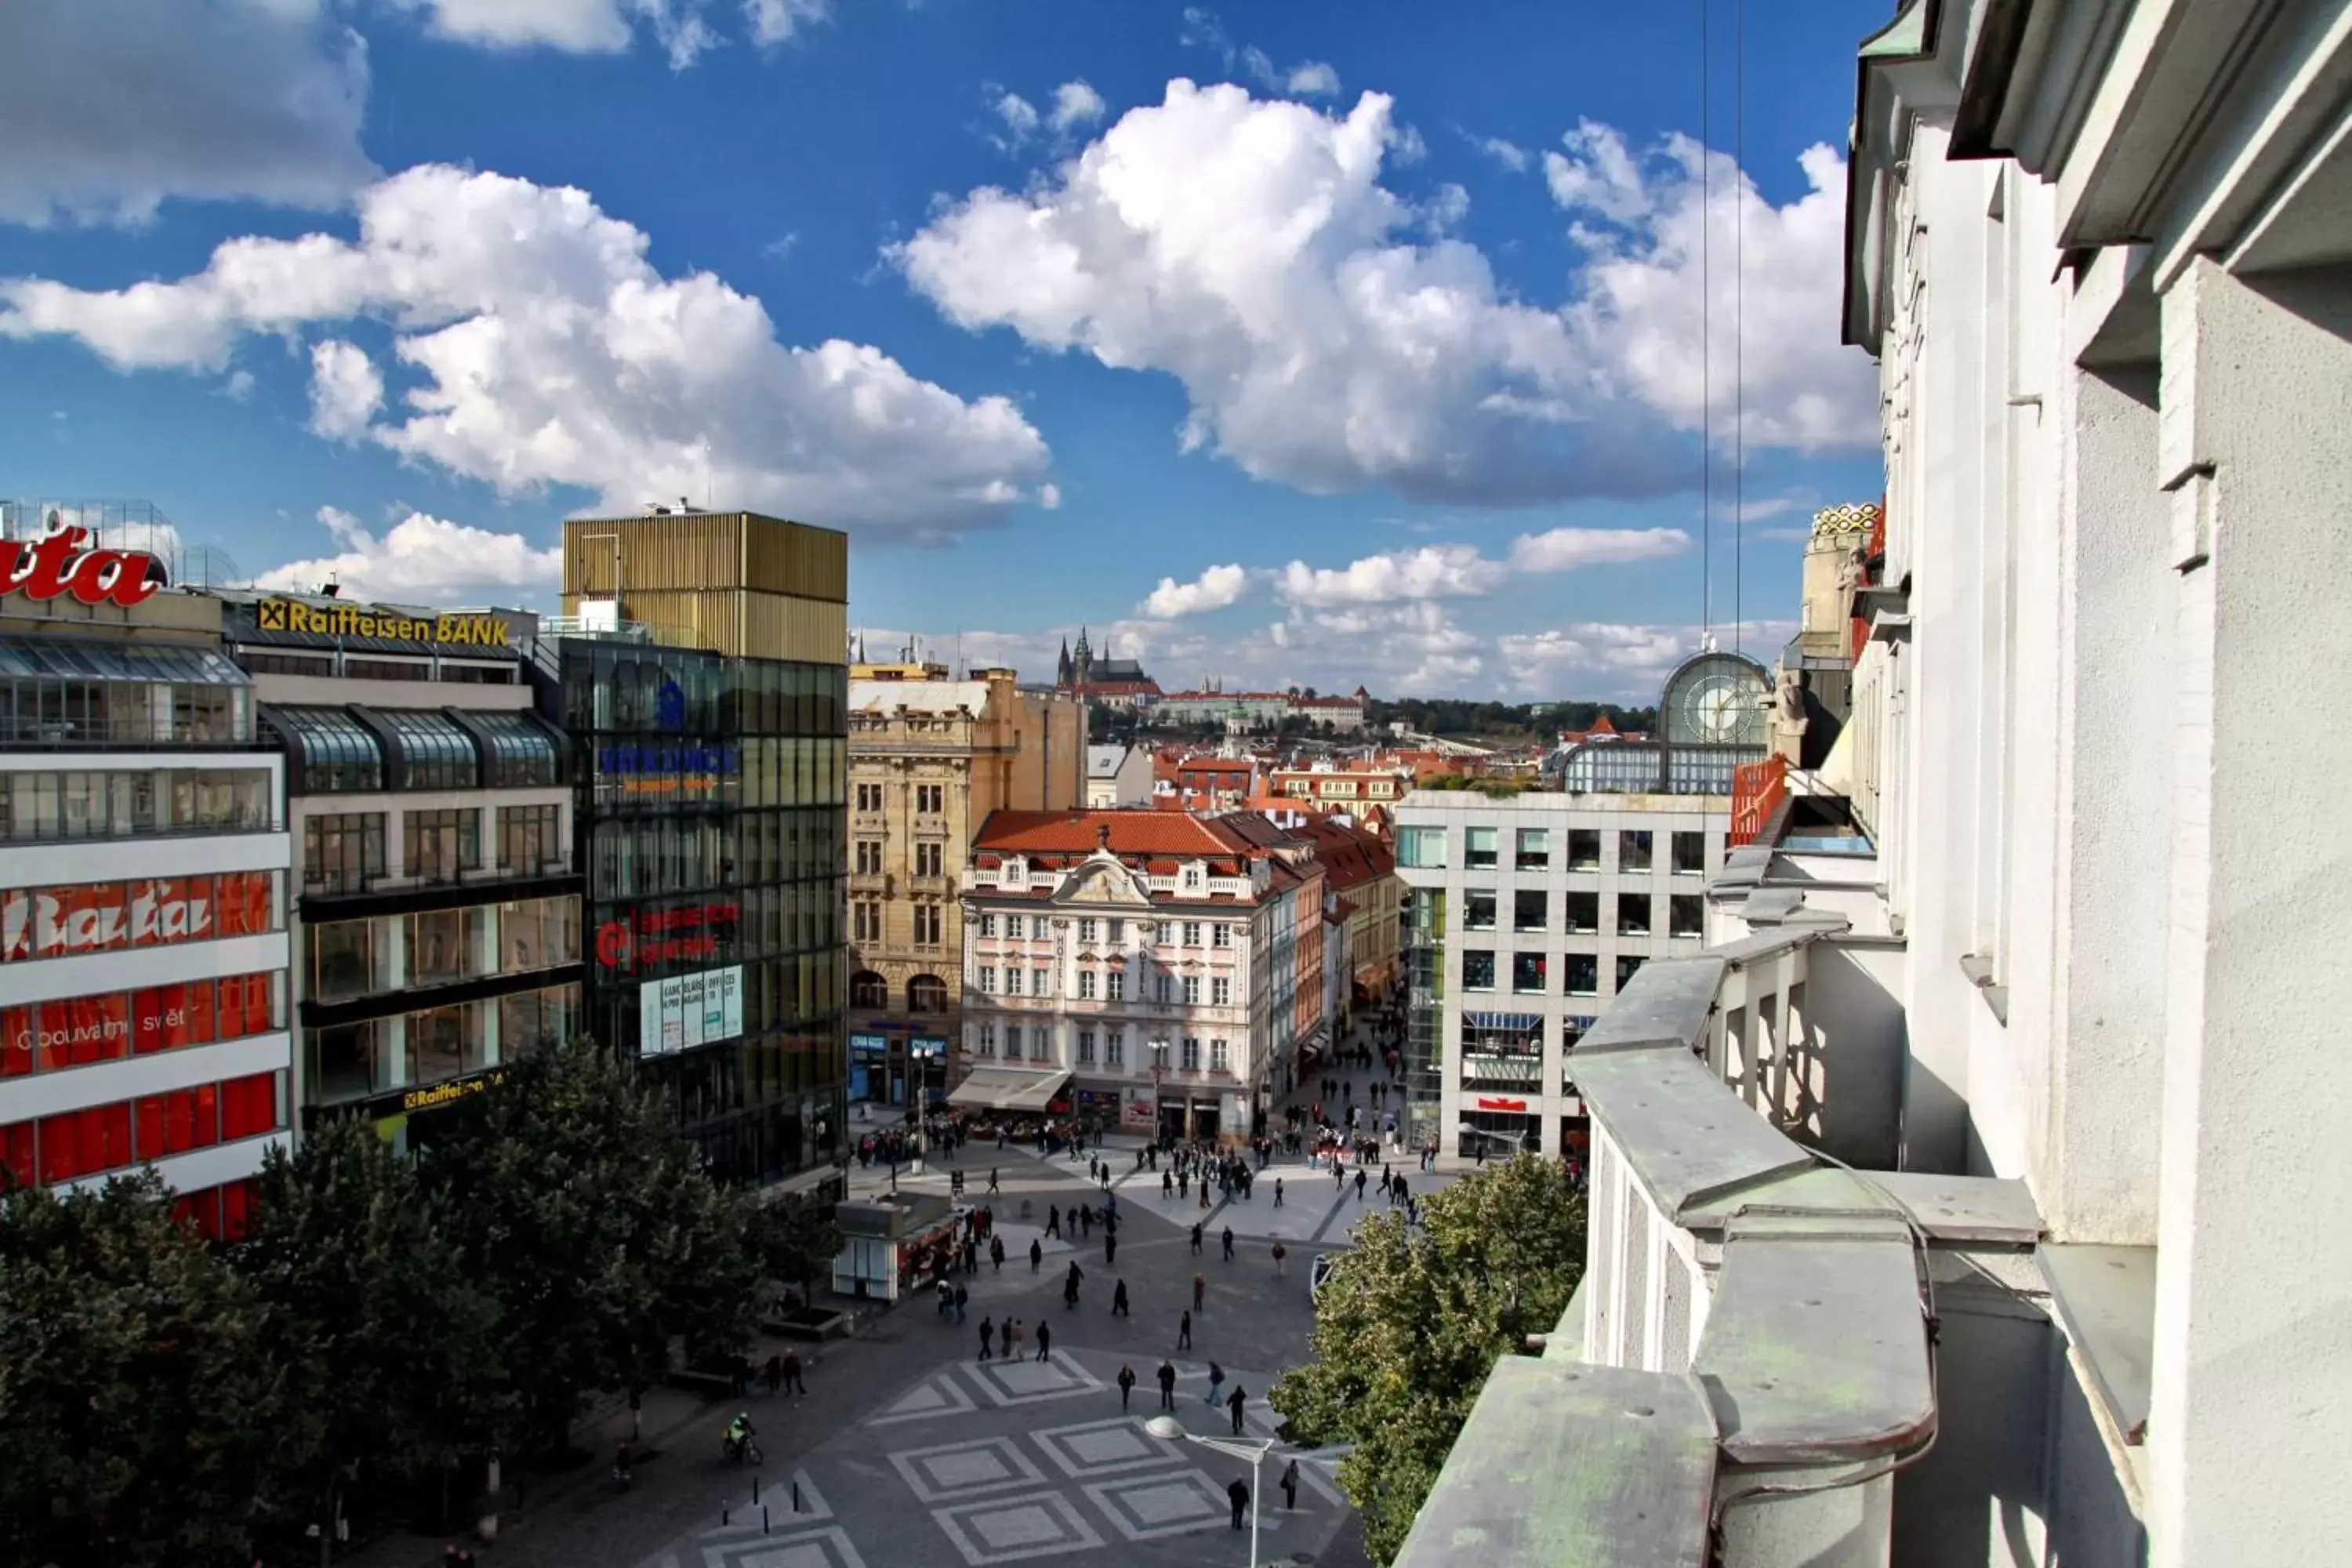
(722, 1512)
(796, 1495)
(755, 1486)
(763, 1518)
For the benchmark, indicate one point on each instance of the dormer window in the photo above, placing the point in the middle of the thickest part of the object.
(1016, 873)
(1192, 878)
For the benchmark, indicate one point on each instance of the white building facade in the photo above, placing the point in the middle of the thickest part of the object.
(1118, 777)
(1525, 917)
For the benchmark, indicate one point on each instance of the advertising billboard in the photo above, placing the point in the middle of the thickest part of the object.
(689, 1010)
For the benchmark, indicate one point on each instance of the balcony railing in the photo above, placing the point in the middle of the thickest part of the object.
(1757, 790)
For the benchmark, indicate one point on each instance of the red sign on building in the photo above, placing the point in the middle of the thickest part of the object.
(58, 564)
(662, 936)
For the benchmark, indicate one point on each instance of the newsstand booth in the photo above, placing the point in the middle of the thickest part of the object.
(892, 1243)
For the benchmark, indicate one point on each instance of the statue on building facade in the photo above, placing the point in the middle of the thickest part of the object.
(1789, 718)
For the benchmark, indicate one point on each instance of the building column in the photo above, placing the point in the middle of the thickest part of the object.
(2253, 1339)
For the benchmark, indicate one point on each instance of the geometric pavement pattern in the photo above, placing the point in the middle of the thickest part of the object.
(970, 1461)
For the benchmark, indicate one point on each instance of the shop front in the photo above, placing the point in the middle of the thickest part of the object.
(1204, 1116)
(869, 1068)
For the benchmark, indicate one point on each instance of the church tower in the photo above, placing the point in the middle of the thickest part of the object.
(1062, 666)
(1082, 660)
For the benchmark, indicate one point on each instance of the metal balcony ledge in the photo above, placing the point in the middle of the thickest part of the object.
(1687, 1140)
(2105, 1297)
(1573, 1466)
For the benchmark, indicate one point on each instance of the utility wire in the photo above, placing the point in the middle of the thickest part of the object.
(1738, 311)
(1706, 364)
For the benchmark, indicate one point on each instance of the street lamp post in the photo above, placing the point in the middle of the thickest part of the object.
(1167, 1429)
(1159, 1068)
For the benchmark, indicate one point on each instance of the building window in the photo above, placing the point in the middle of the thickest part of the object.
(341, 852)
(1086, 931)
(1115, 1048)
(1191, 991)
(49, 806)
(528, 838)
(869, 797)
(1013, 927)
(927, 925)
(1686, 914)
(1191, 876)
(1220, 1057)
(1012, 1042)
(1478, 969)
(1626, 969)
(538, 934)
(1221, 992)
(930, 799)
(1634, 850)
(1530, 910)
(988, 979)
(1115, 984)
(436, 846)
(870, 857)
(1086, 985)
(1478, 849)
(1192, 1055)
(1191, 933)
(1161, 988)
(1220, 935)
(446, 945)
(1478, 911)
(435, 751)
(522, 752)
(1584, 850)
(1013, 979)
(1535, 849)
(1038, 983)
(45, 1037)
(1690, 855)
(1086, 1047)
(1527, 973)
(1583, 974)
(927, 993)
(987, 1039)
(929, 858)
(1633, 914)
(865, 921)
(988, 925)
(1422, 848)
(1114, 931)
(867, 989)
(1583, 911)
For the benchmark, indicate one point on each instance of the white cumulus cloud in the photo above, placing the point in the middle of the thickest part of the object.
(1462, 571)
(546, 349)
(582, 27)
(1617, 660)
(1757, 347)
(1213, 590)
(1248, 248)
(778, 21)
(1020, 116)
(1076, 104)
(109, 107)
(346, 390)
(1567, 548)
(423, 560)
(1312, 79)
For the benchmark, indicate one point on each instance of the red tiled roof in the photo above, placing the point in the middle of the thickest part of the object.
(1601, 726)
(1131, 833)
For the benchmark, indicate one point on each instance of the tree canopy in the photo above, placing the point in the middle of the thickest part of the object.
(1410, 1321)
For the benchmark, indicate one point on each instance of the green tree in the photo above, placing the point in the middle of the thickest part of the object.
(594, 1230)
(1408, 1326)
(382, 1332)
(141, 1422)
(798, 1240)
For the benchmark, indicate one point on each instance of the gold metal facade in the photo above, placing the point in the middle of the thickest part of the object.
(736, 583)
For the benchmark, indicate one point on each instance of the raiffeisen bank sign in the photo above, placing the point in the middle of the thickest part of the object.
(58, 564)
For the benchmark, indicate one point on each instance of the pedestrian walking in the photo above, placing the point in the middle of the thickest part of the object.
(1239, 1494)
(1277, 1192)
(991, 1176)
(775, 1371)
(1185, 1332)
(1280, 1252)
(793, 1384)
(1054, 1221)
(1168, 1384)
(1290, 1485)
(1229, 1244)
(987, 1338)
(1216, 1384)
(1118, 1301)
(1044, 1340)
(1205, 1193)
(1237, 1402)
(962, 1297)
(1196, 1241)
(1167, 1185)
(996, 1252)
(1110, 1247)
(1199, 1290)
(1126, 1384)
(1360, 1183)
(1036, 1254)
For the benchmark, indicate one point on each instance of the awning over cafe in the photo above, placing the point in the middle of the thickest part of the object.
(1007, 1088)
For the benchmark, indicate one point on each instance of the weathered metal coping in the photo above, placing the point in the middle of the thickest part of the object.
(1569, 1465)
(2105, 1297)
(1687, 1140)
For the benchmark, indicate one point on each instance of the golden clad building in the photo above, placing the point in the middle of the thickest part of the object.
(736, 583)
(929, 758)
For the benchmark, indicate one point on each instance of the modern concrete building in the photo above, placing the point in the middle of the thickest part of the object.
(143, 866)
(1168, 964)
(437, 929)
(1118, 777)
(930, 760)
(1526, 916)
(2049, 949)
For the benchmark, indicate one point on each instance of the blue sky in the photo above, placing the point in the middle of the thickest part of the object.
(1317, 342)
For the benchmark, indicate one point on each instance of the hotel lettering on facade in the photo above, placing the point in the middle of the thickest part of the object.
(144, 1002)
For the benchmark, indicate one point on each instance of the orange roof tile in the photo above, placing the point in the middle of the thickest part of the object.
(1131, 833)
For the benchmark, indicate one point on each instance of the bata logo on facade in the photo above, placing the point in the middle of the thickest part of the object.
(58, 566)
(662, 936)
(52, 922)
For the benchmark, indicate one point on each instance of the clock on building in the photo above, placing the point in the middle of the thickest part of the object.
(1716, 700)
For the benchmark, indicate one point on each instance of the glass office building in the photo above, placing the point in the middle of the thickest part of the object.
(710, 809)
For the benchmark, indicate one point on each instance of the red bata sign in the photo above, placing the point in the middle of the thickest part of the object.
(662, 936)
(58, 566)
(57, 922)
